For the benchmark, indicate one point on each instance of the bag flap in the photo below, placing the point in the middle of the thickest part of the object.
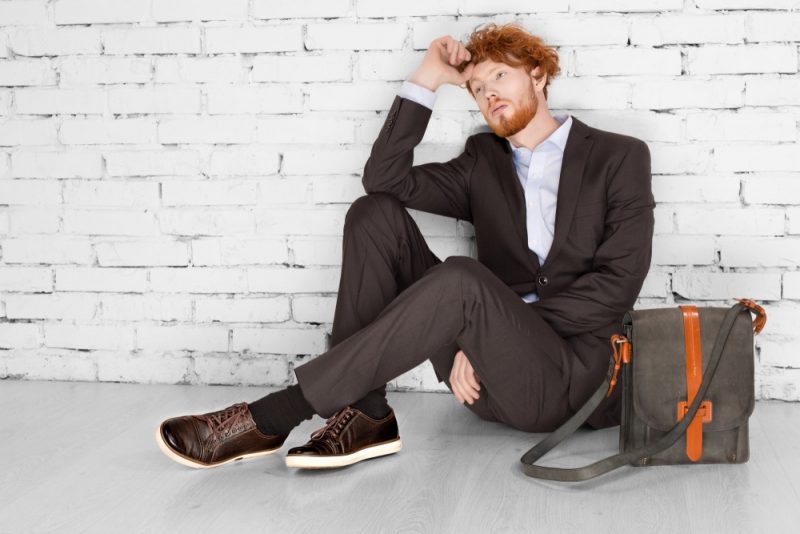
(658, 356)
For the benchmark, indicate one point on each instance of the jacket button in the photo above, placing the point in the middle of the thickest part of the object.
(542, 280)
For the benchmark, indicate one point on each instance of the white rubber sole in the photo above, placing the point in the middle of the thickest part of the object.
(185, 460)
(327, 462)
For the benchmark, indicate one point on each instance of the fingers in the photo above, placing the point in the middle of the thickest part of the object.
(462, 381)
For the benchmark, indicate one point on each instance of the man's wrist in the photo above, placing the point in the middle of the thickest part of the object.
(425, 80)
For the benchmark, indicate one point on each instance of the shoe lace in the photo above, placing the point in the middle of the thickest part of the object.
(223, 422)
(334, 424)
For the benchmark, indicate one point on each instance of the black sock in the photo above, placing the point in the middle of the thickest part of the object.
(279, 412)
(373, 405)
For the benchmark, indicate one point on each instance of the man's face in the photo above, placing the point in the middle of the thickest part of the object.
(505, 96)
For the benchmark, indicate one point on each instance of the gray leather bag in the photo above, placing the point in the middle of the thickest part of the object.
(687, 383)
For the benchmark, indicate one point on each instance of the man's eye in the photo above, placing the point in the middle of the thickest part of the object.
(501, 72)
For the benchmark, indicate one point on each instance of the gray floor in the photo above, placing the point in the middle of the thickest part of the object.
(80, 457)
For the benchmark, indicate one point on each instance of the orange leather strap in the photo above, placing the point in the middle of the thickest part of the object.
(694, 378)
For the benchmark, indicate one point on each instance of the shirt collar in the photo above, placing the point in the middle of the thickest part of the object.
(558, 137)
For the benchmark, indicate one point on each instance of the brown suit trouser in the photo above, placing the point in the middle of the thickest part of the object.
(399, 305)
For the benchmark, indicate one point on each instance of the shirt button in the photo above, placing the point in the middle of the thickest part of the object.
(542, 280)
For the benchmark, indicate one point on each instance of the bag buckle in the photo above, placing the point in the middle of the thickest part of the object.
(620, 356)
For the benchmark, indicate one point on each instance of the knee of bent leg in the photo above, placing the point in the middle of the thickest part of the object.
(367, 207)
(463, 265)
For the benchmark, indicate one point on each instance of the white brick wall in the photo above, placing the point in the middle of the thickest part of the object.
(174, 174)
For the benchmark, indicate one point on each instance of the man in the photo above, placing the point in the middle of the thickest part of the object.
(563, 218)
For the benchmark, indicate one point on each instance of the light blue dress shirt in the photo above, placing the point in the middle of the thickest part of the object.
(538, 170)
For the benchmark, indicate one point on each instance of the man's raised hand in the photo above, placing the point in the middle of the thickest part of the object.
(439, 66)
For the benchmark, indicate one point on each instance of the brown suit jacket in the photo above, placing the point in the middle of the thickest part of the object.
(602, 245)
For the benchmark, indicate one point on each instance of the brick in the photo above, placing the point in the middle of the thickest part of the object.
(670, 158)
(304, 129)
(289, 190)
(753, 126)
(199, 70)
(771, 188)
(205, 221)
(772, 91)
(775, 157)
(71, 164)
(281, 280)
(23, 13)
(771, 27)
(743, 59)
(132, 222)
(300, 221)
(334, 189)
(76, 306)
(30, 192)
(104, 131)
(248, 100)
(20, 335)
(182, 337)
(730, 221)
(696, 285)
(153, 307)
(51, 364)
(199, 10)
(355, 36)
(687, 28)
(234, 370)
(207, 130)
(312, 309)
(208, 192)
(100, 279)
(791, 285)
(152, 163)
(574, 30)
(324, 161)
(38, 220)
(104, 70)
(759, 252)
(588, 93)
(242, 310)
(243, 161)
(696, 188)
(146, 367)
(198, 280)
(19, 72)
(39, 279)
(648, 127)
(238, 251)
(316, 250)
(305, 67)
(142, 253)
(162, 40)
(670, 94)
(57, 101)
(746, 4)
(656, 284)
(683, 250)
(626, 6)
(28, 132)
(110, 193)
(85, 336)
(94, 11)
(278, 9)
(272, 38)
(55, 42)
(152, 100)
(378, 8)
(279, 340)
(627, 61)
(47, 249)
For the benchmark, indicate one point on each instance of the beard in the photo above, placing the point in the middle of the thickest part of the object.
(507, 126)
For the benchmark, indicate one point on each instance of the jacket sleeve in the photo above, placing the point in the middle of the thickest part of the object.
(595, 301)
(439, 188)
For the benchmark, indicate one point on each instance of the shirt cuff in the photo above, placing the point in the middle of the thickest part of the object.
(530, 297)
(417, 93)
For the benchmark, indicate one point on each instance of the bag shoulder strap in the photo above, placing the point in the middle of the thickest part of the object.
(618, 460)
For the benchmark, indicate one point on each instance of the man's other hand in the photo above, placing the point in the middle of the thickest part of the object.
(463, 380)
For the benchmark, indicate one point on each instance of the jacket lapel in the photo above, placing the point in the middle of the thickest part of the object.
(576, 151)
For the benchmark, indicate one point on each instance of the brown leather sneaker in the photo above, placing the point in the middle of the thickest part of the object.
(215, 438)
(349, 436)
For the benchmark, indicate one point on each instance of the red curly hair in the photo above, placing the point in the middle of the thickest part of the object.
(513, 45)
